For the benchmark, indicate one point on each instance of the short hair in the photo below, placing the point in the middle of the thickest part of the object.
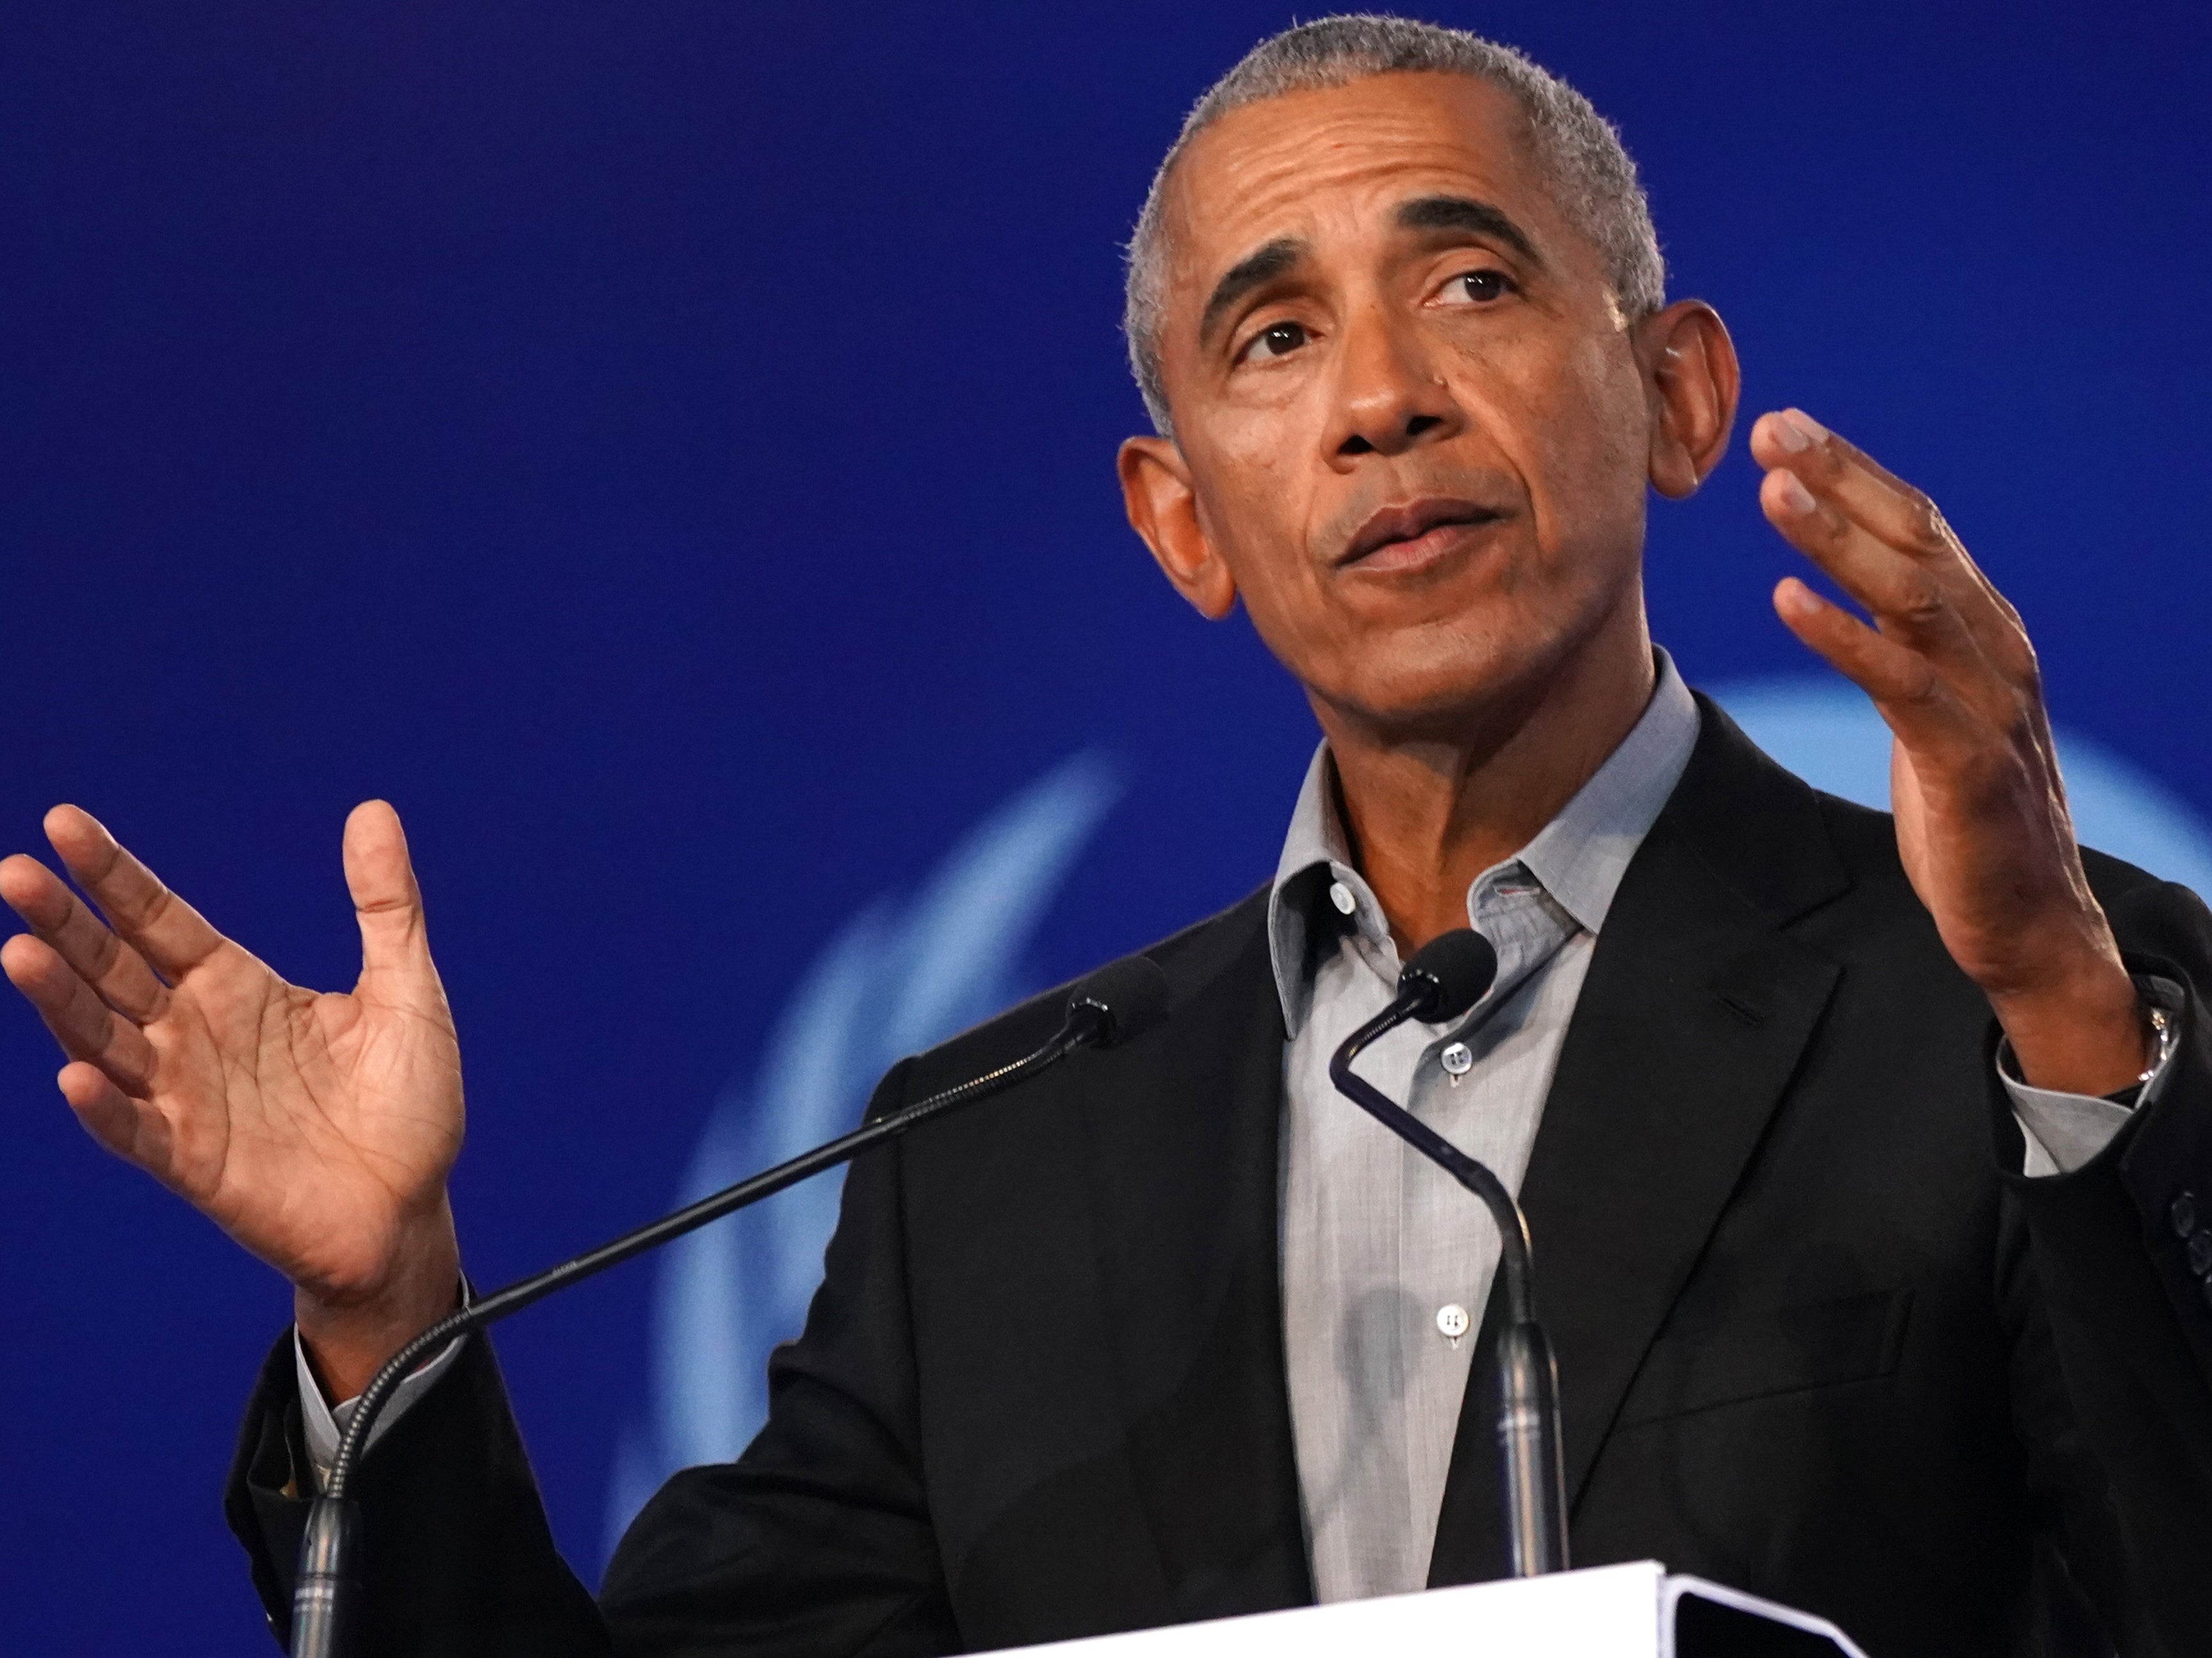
(1593, 178)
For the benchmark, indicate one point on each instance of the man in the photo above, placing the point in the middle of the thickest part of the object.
(1862, 1162)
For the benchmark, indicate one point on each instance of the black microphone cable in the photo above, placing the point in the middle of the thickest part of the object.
(1111, 1006)
(1445, 978)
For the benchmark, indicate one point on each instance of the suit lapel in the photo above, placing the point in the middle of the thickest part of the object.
(1182, 1182)
(1689, 1027)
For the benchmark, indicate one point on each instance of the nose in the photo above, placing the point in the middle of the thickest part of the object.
(1388, 399)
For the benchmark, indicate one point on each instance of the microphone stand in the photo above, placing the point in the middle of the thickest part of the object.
(1527, 1376)
(1111, 1005)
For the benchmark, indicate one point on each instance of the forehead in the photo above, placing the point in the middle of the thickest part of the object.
(1319, 165)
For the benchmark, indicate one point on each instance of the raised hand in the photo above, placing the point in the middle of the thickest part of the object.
(1981, 813)
(318, 1130)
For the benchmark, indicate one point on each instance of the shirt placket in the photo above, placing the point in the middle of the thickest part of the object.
(1447, 1246)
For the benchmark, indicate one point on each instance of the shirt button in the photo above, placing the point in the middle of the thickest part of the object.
(2183, 1214)
(1340, 895)
(1452, 1319)
(1456, 1060)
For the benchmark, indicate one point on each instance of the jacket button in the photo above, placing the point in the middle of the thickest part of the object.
(2183, 1215)
(2200, 1253)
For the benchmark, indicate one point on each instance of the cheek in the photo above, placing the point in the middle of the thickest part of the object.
(1586, 420)
(1615, 417)
(1255, 503)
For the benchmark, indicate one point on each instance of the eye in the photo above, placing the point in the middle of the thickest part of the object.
(1482, 287)
(1276, 340)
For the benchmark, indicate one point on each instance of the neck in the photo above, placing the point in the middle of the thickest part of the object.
(1427, 814)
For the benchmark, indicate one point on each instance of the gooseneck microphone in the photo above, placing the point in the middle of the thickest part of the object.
(1446, 977)
(1112, 1005)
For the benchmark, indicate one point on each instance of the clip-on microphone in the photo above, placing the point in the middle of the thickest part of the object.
(1446, 977)
(1112, 1005)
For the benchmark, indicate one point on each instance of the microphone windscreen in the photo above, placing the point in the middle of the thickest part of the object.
(1460, 965)
(1132, 993)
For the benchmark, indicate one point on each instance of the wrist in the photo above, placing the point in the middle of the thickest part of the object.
(348, 1339)
(2085, 1034)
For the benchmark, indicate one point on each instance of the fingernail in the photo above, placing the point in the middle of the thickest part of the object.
(1795, 498)
(1795, 598)
(1801, 429)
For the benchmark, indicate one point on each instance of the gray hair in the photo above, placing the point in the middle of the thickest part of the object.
(1594, 179)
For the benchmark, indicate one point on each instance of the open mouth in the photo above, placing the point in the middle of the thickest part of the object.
(1414, 532)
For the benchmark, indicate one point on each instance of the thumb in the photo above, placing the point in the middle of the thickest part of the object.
(385, 900)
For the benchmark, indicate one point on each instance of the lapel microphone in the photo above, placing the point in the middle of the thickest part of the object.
(1116, 1003)
(1445, 978)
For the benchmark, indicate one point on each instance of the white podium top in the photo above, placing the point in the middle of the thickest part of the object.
(1603, 1612)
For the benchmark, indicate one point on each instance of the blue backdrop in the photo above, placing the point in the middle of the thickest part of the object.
(665, 449)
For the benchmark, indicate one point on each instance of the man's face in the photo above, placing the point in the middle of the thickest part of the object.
(1412, 427)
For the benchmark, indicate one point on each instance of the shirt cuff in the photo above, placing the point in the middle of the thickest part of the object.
(325, 1422)
(2064, 1132)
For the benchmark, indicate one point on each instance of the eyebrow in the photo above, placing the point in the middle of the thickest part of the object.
(1255, 270)
(1284, 254)
(1463, 213)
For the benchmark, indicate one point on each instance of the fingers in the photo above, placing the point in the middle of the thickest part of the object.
(111, 967)
(385, 899)
(1906, 689)
(1886, 544)
(1900, 592)
(167, 932)
(1886, 670)
(129, 1128)
(85, 1026)
(92, 989)
(1852, 481)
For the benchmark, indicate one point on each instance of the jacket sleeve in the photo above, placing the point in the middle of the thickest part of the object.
(456, 1555)
(817, 1540)
(2113, 1364)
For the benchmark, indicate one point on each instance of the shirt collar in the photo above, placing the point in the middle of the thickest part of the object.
(1578, 857)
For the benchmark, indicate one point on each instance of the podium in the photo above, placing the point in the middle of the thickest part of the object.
(1636, 1611)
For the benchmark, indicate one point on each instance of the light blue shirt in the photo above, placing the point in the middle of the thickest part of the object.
(1386, 1261)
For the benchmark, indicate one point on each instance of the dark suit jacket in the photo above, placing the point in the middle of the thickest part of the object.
(1816, 1339)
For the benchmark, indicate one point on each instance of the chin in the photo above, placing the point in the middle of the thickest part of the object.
(1412, 694)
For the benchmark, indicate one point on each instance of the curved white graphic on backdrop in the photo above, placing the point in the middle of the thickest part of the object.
(901, 976)
(1827, 733)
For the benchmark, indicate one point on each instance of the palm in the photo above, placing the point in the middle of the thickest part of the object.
(262, 1088)
(314, 1128)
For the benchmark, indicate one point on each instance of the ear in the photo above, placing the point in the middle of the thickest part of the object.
(1162, 508)
(1694, 380)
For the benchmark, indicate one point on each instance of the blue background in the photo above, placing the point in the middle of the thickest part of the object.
(665, 449)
